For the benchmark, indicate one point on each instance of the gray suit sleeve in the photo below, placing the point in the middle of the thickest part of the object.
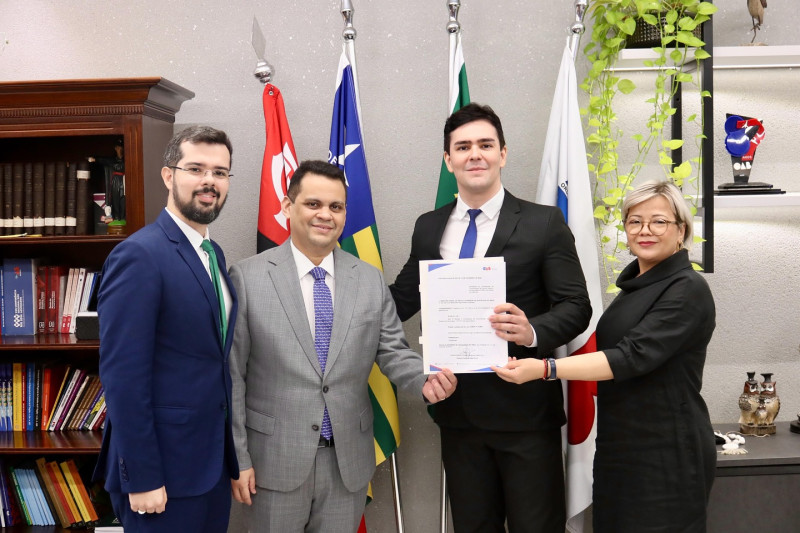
(240, 353)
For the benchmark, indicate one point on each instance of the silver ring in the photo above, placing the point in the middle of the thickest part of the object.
(140, 511)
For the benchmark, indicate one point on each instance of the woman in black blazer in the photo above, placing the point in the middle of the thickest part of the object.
(656, 456)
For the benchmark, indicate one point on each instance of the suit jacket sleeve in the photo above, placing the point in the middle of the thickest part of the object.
(679, 322)
(239, 355)
(395, 358)
(405, 289)
(565, 287)
(127, 307)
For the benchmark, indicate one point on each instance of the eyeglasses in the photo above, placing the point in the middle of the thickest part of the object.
(197, 172)
(658, 226)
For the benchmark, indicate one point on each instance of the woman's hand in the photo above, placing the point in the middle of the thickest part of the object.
(520, 371)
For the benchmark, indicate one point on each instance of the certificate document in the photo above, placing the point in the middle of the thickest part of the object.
(457, 299)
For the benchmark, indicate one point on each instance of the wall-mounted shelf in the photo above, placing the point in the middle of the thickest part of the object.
(725, 58)
(758, 200)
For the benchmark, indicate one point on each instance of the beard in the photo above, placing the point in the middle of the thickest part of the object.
(196, 212)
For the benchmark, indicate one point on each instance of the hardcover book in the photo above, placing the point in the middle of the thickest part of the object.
(49, 198)
(19, 296)
(61, 198)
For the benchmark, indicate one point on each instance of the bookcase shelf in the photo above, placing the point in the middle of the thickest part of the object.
(50, 442)
(61, 342)
(71, 120)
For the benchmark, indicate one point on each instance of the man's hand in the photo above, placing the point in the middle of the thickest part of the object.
(152, 501)
(439, 386)
(511, 324)
(243, 487)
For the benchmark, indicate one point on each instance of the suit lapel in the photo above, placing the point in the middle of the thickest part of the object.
(192, 260)
(509, 218)
(287, 286)
(344, 303)
(433, 238)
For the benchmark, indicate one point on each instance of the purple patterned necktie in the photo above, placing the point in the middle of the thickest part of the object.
(323, 323)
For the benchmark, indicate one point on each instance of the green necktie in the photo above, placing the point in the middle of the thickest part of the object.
(213, 266)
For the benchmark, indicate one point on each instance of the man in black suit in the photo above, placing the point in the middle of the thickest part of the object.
(501, 442)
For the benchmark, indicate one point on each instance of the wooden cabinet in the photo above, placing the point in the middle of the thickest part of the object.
(69, 120)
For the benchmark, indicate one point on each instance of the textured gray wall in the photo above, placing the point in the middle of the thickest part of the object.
(512, 49)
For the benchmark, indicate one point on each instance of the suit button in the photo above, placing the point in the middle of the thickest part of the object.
(315, 427)
(325, 388)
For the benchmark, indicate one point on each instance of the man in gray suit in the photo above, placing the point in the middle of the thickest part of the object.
(302, 417)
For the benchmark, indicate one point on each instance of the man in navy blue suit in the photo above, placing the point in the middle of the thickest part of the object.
(167, 455)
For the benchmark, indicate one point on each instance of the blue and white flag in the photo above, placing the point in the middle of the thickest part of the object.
(564, 182)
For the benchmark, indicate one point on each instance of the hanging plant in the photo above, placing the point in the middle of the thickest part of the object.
(677, 51)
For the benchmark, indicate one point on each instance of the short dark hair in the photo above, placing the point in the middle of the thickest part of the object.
(471, 113)
(195, 135)
(321, 168)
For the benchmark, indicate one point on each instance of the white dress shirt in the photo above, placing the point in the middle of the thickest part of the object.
(486, 223)
(195, 239)
(304, 266)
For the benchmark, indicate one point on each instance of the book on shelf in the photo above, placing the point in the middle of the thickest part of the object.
(27, 198)
(79, 493)
(80, 286)
(56, 399)
(61, 198)
(17, 197)
(82, 402)
(23, 503)
(64, 499)
(11, 509)
(66, 399)
(49, 198)
(30, 376)
(52, 377)
(72, 401)
(38, 198)
(97, 415)
(49, 501)
(41, 299)
(5, 199)
(17, 396)
(83, 205)
(62, 485)
(56, 281)
(19, 296)
(91, 406)
(70, 209)
(50, 490)
(37, 397)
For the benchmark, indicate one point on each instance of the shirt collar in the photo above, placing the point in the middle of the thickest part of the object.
(490, 208)
(195, 239)
(304, 264)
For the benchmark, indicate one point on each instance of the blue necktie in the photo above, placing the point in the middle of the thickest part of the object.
(471, 236)
(323, 324)
(213, 266)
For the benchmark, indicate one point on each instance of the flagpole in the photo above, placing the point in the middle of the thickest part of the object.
(577, 27)
(349, 36)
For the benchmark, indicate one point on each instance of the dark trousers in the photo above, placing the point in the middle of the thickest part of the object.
(206, 513)
(496, 476)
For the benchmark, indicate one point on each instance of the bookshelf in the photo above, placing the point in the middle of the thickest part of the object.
(70, 120)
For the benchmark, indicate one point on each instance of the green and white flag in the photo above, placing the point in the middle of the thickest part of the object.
(459, 97)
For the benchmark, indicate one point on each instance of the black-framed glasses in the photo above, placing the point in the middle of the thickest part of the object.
(198, 172)
(658, 226)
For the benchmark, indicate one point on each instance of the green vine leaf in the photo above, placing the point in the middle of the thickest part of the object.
(672, 144)
(626, 86)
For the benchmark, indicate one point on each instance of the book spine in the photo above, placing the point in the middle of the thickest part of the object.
(17, 198)
(61, 198)
(2, 199)
(45, 498)
(61, 483)
(20, 496)
(83, 207)
(41, 299)
(49, 198)
(84, 495)
(4, 497)
(76, 302)
(30, 497)
(73, 402)
(70, 211)
(30, 389)
(38, 198)
(37, 397)
(59, 396)
(27, 198)
(53, 499)
(17, 395)
(69, 397)
(97, 423)
(90, 407)
(72, 278)
(73, 488)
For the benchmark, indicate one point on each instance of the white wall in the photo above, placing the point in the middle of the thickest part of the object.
(512, 49)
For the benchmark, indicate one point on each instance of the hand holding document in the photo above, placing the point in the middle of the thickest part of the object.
(458, 297)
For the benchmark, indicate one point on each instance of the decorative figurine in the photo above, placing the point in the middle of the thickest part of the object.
(759, 405)
(743, 136)
(748, 400)
(756, 9)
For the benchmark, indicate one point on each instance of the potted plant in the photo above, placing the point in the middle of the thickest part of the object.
(677, 50)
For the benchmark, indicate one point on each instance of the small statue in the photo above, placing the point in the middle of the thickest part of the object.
(756, 9)
(748, 400)
(758, 405)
